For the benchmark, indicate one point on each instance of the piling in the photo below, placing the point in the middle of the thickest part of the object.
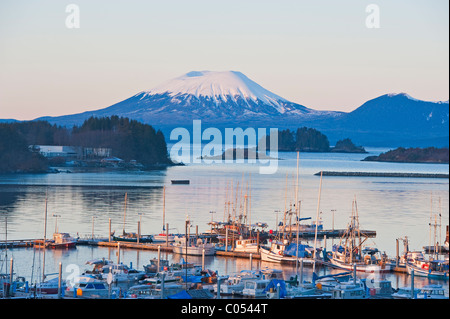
(59, 280)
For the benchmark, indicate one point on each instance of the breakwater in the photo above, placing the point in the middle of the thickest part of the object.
(381, 174)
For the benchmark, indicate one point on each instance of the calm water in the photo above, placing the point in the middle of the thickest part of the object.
(84, 202)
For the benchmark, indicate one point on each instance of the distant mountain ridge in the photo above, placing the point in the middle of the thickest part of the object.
(231, 99)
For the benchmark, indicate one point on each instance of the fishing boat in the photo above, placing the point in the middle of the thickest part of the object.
(62, 240)
(249, 245)
(434, 269)
(193, 247)
(350, 252)
(285, 252)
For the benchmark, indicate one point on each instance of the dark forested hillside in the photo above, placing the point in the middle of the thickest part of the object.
(303, 139)
(128, 140)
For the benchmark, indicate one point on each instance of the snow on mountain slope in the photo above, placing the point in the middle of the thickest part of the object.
(227, 86)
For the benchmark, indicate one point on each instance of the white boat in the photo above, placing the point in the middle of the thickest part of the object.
(48, 287)
(426, 292)
(283, 252)
(349, 290)
(162, 237)
(168, 276)
(434, 269)
(249, 245)
(154, 291)
(279, 289)
(62, 240)
(234, 285)
(300, 228)
(255, 288)
(121, 273)
(405, 293)
(197, 248)
(89, 287)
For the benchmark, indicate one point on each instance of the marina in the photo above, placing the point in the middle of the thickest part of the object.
(231, 224)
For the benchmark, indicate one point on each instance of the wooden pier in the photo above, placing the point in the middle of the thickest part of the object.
(17, 243)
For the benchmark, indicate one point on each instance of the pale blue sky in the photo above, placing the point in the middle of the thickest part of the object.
(316, 53)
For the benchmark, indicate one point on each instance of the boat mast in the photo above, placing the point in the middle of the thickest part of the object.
(317, 222)
(357, 225)
(285, 208)
(297, 214)
(164, 208)
(45, 238)
(125, 213)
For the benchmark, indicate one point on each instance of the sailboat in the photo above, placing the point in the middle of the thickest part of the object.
(163, 236)
(349, 253)
(131, 237)
(285, 251)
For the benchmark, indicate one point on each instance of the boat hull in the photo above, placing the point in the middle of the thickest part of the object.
(267, 255)
(194, 251)
(361, 267)
(133, 240)
(426, 273)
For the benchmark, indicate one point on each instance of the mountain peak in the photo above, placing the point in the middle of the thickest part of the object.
(219, 86)
(409, 97)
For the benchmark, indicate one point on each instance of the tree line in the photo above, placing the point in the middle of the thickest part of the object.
(128, 139)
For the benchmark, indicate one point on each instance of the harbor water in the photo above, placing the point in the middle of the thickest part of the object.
(82, 203)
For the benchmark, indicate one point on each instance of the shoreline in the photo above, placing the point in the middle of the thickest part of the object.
(381, 174)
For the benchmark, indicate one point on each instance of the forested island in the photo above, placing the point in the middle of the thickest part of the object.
(413, 155)
(311, 140)
(97, 141)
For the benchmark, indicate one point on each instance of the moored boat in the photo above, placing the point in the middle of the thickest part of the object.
(284, 252)
(434, 269)
(193, 248)
(62, 240)
(350, 253)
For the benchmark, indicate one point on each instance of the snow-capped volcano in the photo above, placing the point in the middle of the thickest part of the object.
(221, 87)
(218, 98)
